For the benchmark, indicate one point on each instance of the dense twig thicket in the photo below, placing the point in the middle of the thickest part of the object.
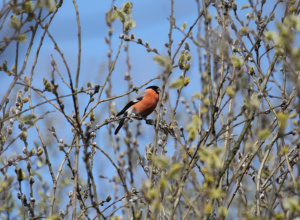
(224, 137)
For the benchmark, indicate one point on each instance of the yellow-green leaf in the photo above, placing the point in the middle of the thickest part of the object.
(14, 22)
(192, 134)
(236, 61)
(278, 216)
(254, 102)
(120, 15)
(27, 7)
(282, 120)
(163, 184)
(50, 5)
(293, 115)
(127, 7)
(244, 30)
(197, 95)
(215, 193)
(183, 26)
(230, 92)
(245, 6)
(182, 58)
(177, 83)
(175, 170)
(162, 161)
(129, 24)
(264, 134)
(193, 126)
(163, 61)
(292, 204)
(186, 81)
(21, 38)
(20, 174)
(208, 208)
(270, 35)
(222, 211)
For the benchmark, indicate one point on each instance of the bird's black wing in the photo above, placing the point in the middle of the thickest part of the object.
(120, 124)
(129, 104)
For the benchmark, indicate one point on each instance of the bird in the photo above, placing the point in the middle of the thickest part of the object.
(142, 105)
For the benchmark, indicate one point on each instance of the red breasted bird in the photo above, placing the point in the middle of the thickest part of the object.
(142, 105)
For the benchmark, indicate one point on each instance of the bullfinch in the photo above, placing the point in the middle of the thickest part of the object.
(142, 105)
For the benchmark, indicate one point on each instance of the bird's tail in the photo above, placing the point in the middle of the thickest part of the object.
(120, 126)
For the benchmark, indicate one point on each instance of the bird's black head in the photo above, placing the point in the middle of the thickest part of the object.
(155, 88)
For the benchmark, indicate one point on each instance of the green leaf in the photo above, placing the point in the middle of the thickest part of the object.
(197, 43)
(174, 171)
(245, 6)
(110, 17)
(208, 208)
(197, 95)
(163, 184)
(162, 161)
(211, 157)
(196, 121)
(278, 216)
(27, 7)
(293, 114)
(215, 193)
(183, 26)
(163, 61)
(182, 61)
(193, 126)
(230, 92)
(20, 174)
(177, 83)
(192, 134)
(264, 134)
(186, 81)
(236, 61)
(53, 217)
(282, 120)
(222, 211)
(206, 101)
